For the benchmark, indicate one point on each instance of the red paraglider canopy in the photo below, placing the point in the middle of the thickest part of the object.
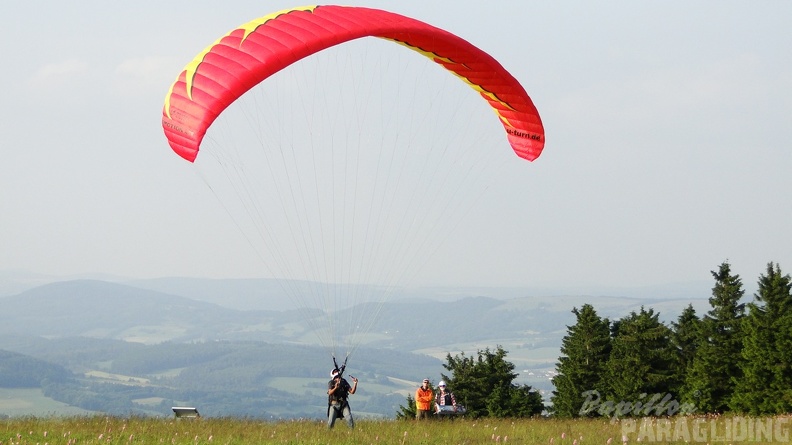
(251, 53)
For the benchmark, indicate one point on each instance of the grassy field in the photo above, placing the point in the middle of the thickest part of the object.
(112, 430)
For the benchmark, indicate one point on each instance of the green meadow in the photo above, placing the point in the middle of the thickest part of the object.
(116, 430)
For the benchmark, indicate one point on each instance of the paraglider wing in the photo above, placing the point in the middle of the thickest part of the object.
(246, 56)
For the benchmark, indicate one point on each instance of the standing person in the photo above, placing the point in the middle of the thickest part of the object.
(338, 390)
(445, 401)
(423, 400)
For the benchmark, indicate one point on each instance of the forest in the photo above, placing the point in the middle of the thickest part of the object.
(736, 358)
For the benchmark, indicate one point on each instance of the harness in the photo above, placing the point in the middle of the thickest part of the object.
(341, 393)
(338, 400)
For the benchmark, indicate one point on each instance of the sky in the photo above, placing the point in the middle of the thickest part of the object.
(668, 129)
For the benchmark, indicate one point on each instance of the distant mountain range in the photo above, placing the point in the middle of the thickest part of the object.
(265, 294)
(129, 327)
(188, 310)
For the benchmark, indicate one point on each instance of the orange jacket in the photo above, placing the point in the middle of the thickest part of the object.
(423, 398)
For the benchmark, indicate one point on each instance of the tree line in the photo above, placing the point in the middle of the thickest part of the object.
(735, 358)
(21, 371)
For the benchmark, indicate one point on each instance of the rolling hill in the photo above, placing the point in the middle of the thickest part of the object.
(169, 345)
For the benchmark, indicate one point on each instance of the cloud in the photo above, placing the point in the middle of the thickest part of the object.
(664, 100)
(145, 73)
(56, 74)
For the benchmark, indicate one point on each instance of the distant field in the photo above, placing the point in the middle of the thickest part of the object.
(32, 402)
(318, 389)
(534, 366)
(118, 378)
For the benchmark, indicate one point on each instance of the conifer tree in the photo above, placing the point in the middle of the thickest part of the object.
(581, 367)
(783, 328)
(766, 374)
(710, 382)
(408, 410)
(640, 365)
(685, 334)
(484, 384)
